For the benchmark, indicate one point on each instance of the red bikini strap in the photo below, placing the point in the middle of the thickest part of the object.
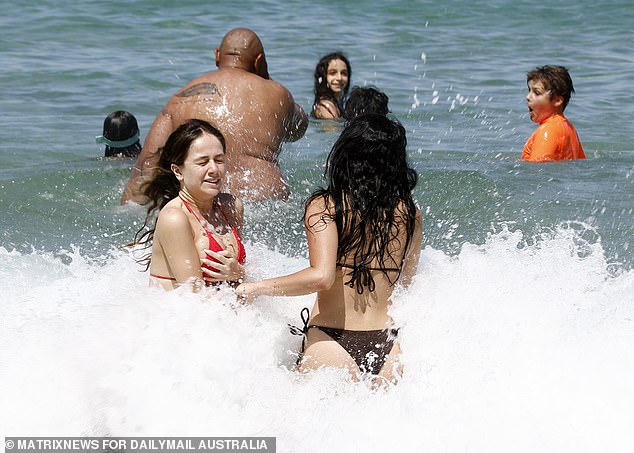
(189, 208)
(194, 214)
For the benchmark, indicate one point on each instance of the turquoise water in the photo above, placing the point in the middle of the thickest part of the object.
(518, 260)
(454, 74)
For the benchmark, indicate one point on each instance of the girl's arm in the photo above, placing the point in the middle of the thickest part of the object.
(322, 238)
(325, 109)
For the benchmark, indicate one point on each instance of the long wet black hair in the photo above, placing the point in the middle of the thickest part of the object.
(369, 184)
(163, 185)
(322, 91)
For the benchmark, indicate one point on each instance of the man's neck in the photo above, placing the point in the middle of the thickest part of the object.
(232, 62)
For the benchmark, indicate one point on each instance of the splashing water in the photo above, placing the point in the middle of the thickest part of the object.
(510, 345)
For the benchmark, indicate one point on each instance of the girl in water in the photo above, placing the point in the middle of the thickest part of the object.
(332, 81)
(364, 236)
(197, 223)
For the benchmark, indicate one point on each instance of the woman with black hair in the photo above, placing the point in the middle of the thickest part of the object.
(364, 236)
(332, 81)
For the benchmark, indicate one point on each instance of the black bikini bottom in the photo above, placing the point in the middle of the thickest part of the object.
(368, 348)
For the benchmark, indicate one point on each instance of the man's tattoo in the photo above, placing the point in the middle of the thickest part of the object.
(198, 90)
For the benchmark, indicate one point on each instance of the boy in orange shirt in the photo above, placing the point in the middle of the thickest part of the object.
(549, 90)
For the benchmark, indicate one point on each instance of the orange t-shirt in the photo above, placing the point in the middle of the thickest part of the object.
(554, 139)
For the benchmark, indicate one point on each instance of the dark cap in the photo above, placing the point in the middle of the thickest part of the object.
(120, 130)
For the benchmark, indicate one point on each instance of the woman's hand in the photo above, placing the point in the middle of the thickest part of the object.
(227, 267)
(245, 292)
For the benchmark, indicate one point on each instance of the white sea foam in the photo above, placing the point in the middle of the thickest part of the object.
(511, 345)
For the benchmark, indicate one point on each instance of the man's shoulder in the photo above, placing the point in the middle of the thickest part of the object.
(198, 89)
(234, 75)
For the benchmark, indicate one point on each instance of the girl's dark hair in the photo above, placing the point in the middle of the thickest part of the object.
(163, 186)
(370, 185)
(322, 91)
(119, 126)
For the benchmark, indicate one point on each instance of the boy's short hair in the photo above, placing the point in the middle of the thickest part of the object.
(365, 100)
(555, 79)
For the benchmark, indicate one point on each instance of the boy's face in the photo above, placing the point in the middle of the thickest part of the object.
(541, 105)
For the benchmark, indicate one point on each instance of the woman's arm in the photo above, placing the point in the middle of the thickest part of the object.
(322, 238)
(176, 239)
(227, 267)
(410, 264)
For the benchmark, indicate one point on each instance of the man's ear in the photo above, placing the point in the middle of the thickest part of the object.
(558, 101)
(217, 55)
(260, 66)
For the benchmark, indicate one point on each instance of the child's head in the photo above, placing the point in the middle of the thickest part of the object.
(365, 100)
(120, 135)
(555, 80)
(332, 77)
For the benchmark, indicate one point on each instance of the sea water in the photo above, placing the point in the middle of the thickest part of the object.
(517, 332)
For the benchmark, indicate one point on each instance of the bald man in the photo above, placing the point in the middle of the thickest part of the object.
(254, 113)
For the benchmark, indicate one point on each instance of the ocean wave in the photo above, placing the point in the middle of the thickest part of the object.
(515, 344)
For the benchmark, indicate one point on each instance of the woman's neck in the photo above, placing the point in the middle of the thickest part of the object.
(204, 206)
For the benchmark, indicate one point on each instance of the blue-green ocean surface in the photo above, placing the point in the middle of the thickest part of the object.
(517, 332)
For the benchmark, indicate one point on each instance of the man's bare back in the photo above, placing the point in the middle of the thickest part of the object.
(255, 114)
